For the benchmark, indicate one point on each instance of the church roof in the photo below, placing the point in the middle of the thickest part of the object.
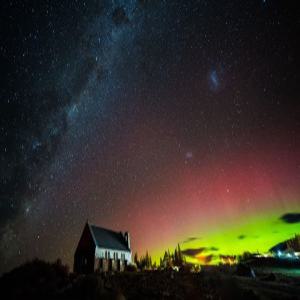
(106, 238)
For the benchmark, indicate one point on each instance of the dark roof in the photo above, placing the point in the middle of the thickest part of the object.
(110, 239)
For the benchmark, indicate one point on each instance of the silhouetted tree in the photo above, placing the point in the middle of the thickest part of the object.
(145, 262)
(294, 243)
(136, 260)
(245, 256)
(171, 259)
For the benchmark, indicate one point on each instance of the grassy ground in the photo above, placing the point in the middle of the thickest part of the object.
(40, 280)
(282, 271)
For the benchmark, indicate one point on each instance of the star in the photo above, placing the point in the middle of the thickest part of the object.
(214, 80)
(160, 117)
(189, 155)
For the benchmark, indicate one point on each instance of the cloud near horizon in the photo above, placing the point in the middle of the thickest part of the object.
(190, 239)
(290, 218)
(195, 252)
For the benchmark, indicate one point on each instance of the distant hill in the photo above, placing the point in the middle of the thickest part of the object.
(292, 244)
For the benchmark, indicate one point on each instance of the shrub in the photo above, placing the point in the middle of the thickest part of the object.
(131, 268)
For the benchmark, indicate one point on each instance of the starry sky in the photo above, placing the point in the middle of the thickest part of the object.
(175, 120)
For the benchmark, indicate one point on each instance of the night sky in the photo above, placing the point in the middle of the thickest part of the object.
(176, 120)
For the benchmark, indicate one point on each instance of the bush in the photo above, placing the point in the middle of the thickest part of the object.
(35, 279)
(131, 268)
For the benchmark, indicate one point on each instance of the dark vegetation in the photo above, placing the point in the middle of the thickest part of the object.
(293, 243)
(172, 278)
(42, 280)
(168, 261)
(36, 279)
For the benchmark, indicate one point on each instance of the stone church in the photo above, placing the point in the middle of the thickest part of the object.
(102, 250)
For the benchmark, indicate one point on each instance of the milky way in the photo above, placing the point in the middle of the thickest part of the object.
(175, 120)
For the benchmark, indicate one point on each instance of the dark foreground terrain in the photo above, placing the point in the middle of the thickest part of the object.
(40, 280)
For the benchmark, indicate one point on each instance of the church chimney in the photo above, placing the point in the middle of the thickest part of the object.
(127, 238)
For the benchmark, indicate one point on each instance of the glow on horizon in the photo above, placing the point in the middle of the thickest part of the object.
(253, 234)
